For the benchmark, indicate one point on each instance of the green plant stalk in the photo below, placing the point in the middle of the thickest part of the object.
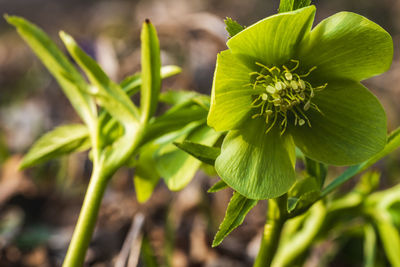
(276, 218)
(87, 219)
(98, 183)
(302, 240)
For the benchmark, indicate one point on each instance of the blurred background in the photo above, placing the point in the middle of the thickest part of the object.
(39, 207)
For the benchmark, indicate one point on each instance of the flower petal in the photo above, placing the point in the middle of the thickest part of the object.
(257, 165)
(230, 98)
(273, 40)
(351, 129)
(347, 45)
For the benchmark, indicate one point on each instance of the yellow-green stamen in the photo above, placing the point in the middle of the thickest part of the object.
(281, 90)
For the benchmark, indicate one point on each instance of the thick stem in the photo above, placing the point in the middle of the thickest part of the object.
(87, 220)
(272, 231)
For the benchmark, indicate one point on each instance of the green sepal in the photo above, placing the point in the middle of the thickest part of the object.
(347, 46)
(60, 141)
(236, 211)
(232, 26)
(350, 128)
(201, 152)
(151, 64)
(230, 98)
(274, 40)
(256, 164)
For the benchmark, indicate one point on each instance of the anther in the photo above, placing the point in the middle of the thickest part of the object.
(302, 84)
(307, 105)
(294, 85)
(271, 89)
(278, 86)
(288, 76)
(264, 97)
(279, 90)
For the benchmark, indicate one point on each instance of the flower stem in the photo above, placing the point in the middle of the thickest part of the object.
(302, 239)
(272, 231)
(87, 219)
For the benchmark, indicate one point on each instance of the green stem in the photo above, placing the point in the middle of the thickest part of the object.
(87, 219)
(272, 231)
(302, 240)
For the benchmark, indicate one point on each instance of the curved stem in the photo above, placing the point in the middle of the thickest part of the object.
(298, 244)
(102, 171)
(87, 219)
(272, 231)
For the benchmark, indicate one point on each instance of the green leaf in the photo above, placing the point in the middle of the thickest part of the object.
(274, 40)
(292, 203)
(237, 210)
(230, 99)
(203, 101)
(232, 27)
(131, 84)
(110, 96)
(316, 169)
(257, 165)
(201, 152)
(178, 167)
(351, 128)
(146, 176)
(217, 187)
(60, 141)
(151, 64)
(177, 97)
(108, 93)
(390, 237)
(303, 193)
(347, 46)
(174, 119)
(70, 80)
(290, 5)
(301, 239)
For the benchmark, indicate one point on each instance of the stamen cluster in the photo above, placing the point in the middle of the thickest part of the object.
(281, 90)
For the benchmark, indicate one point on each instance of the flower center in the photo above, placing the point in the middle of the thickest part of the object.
(281, 91)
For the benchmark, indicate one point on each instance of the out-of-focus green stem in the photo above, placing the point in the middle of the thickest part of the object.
(87, 219)
(272, 231)
(302, 240)
(98, 183)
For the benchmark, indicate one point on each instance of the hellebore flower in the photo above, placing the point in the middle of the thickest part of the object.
(281, 84)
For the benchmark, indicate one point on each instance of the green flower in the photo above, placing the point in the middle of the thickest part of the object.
(281, 84)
